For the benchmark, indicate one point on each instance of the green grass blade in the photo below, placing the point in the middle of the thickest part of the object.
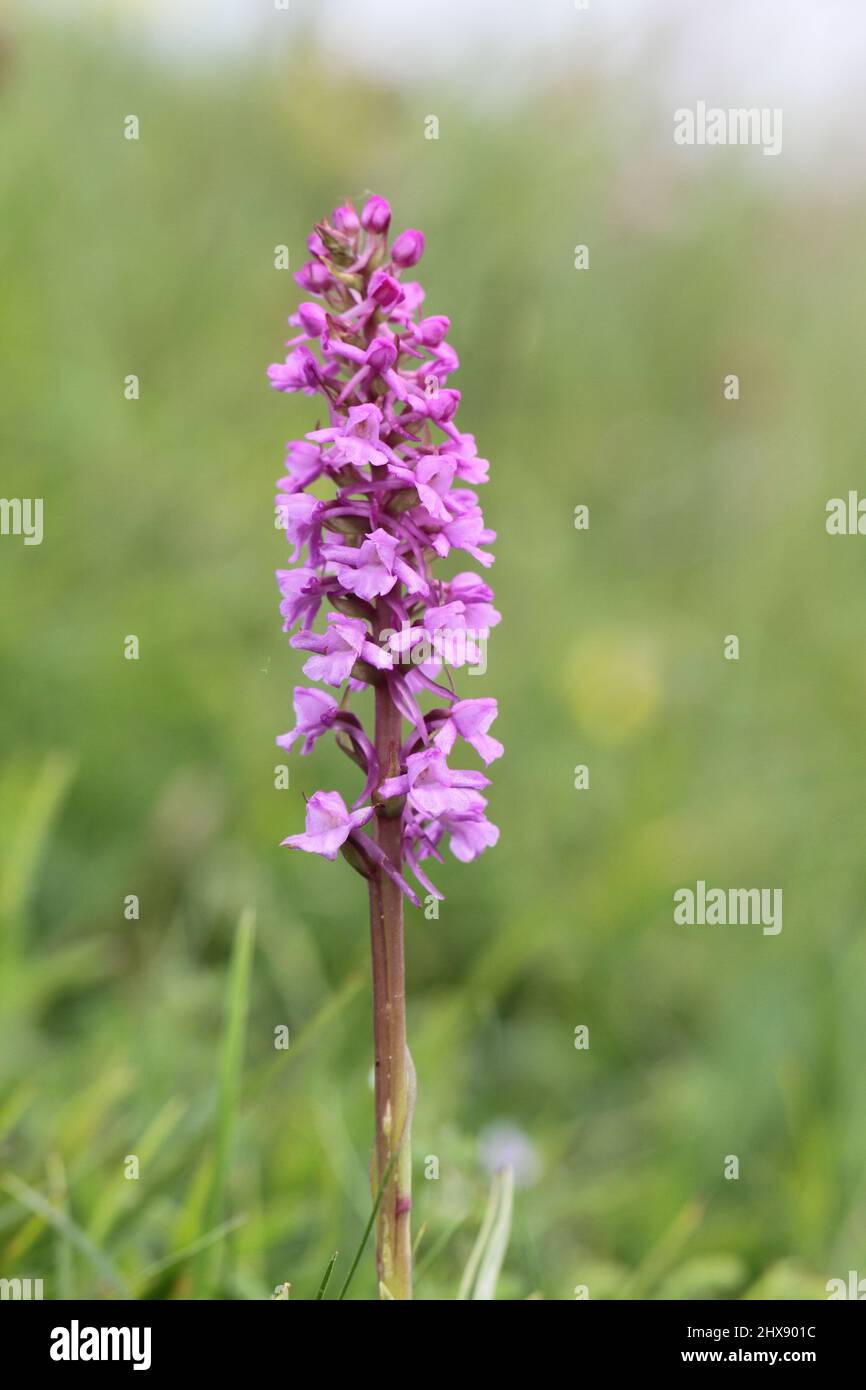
(326, 1278)
(40, 1206)
(435, 1250)
(117, 1196)
(187, 1252)
(493, 1255)
(29, 803)
(63, 1266)
(231, 1061)
(334, 1005)
(369, 1226)
(485, 1262)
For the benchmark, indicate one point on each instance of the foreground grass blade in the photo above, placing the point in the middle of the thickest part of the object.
(207, 1267)
(53, 1216)
(352, 985)
(664, 1254)
(29, 803)
(63, 1253)
(117, 1197)
(177, 1257)
(485, 1263)
(437, 1247)
(326, 1279)
(369, 1226)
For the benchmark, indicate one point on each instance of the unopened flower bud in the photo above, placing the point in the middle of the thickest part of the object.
(381, 355)
(345, 219)
(408, 248)
(432, 330)
(383, 288)
(443, 405)
(314, 276)
(376, 216)
(313, 319)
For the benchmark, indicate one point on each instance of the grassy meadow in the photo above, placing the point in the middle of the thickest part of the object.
(154, 1038)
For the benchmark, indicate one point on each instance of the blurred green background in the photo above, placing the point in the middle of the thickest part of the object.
(156, 777)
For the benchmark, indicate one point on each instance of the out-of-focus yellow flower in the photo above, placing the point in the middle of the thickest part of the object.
(611, 683)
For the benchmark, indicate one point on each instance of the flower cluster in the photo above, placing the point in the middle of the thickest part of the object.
(369, 503)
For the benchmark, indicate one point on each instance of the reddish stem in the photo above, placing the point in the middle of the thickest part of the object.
(394, 1073)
